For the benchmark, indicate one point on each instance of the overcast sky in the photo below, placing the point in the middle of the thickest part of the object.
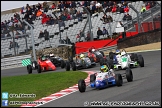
(7, 5)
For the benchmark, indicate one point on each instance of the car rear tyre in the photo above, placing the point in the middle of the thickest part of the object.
(73, 66)
(81, 85)
(29, 69)
(110, 64)
(129, 75)
(141, 60)
(34, 65)
(63, 64)
(39, 69)
(92, 78)
(111, 55)
(118, 80)
(67, 66)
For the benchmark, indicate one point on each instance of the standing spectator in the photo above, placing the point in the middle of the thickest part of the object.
(26, 16)
(93, 8)
(88, 36)
(21, 28)
(126, 9)
(2, 35)
(15, 20)
(79, 16)
(53, 6)
(114, 9)
(39, 13)
(127, 17)
(39, 6)
(12, 20)
(22, 10)
(81, 35)
(46, 35)
(17, 15)
(68, 16)
(65, 10)
(105, 32)
(67, 40)
(104, 19)
(33, 17)
(59, 6)
(123, 33)
(109, 19)
(17, 35)
(12, 45)
(148, 6)
(30, 21)
(8, 35)
(77, 37)
(29, 11)
(122, 9)
(41, 34)
(99, 33)
(143, 9)
(72, 12)
(34, 8)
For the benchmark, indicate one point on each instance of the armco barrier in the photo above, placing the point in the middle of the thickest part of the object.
(13, 61)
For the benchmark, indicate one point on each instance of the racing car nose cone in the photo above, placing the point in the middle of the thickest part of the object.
(98, 84)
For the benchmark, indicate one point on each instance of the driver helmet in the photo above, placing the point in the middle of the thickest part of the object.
(117, 51)
(81, 56)
(51, 55)
(93, 50)
(43, 58)
(123, 53)
(104, 68)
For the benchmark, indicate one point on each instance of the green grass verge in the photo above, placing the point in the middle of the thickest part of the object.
(40, 84)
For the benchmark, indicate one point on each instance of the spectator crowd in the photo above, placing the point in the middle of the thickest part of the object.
(67, 10)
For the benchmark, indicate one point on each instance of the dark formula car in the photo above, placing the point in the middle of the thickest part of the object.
(80, 63)
(96, 55)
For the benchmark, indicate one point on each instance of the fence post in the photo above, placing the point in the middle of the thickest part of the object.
(14, 43)
(90, 23)
(32, 35)
(138, 20)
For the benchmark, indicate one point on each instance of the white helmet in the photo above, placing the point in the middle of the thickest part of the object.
(93, 50)
(51, 55)
(123, 53)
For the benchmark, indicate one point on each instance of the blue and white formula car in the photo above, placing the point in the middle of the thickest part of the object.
(105, 79)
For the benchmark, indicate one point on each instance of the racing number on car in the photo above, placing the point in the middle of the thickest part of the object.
(124, 59)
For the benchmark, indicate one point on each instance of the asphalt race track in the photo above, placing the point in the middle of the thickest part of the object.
(146, 86)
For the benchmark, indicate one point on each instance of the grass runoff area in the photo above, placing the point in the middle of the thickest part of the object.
(41, 85)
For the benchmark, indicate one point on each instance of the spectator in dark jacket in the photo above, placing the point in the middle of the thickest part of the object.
(67, 40)
(26, 16)
(30, 21)
(105, 32)
(99, 33)
(46, 35)
(41, 34)
(12, 45)
(8, 35)
(127, 17)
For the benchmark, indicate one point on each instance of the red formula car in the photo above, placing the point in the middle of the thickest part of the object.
(96, 55)
(43, 64)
